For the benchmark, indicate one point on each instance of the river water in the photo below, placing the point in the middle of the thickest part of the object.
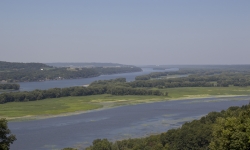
(29, 86)
(115, 123)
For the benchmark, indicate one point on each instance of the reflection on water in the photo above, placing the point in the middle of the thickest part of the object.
(114, 124)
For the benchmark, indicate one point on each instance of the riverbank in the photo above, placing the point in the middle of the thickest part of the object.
(56, 107)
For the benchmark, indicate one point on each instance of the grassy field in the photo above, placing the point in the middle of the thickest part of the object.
(65, 105)
(46, 107)
(206, 91)
(56, 106)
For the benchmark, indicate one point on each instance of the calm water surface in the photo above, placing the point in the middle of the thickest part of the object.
(114, 124)
(29, 86)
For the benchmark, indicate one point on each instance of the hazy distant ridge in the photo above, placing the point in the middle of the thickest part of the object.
(87, 64)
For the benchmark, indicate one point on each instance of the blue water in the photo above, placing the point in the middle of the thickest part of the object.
(114, 124)
(29, 86)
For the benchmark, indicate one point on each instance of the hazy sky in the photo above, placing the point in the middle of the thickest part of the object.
(126, 31)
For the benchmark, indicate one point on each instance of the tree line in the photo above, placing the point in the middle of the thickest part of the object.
(222, 79)
(116, 70)
(77, 91)
(228, 129)
(9, 86)
(151, 75)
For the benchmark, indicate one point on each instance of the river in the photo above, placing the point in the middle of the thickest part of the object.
(29, 86)
(115, 123)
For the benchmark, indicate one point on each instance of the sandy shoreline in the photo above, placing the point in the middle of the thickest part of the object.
(112, 104)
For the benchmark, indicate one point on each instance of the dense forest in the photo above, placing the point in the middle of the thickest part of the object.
(228, 129)
(151, 75)
(27, 75)
(207, 79)
(26, 72)
(197, 76)
(9, 86)
(224, 79)
(16, 66)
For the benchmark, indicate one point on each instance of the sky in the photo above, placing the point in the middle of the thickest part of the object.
(138, 32)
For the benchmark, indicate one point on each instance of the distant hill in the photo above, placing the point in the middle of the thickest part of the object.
(9, 66)
(27, 72)
(195, 67)
(87, 65)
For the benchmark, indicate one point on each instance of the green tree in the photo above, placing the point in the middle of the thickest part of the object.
(103, 144)
(5, 137)
(232, 133)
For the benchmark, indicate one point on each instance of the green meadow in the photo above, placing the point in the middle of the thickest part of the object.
(70, 105)
(192, 92)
